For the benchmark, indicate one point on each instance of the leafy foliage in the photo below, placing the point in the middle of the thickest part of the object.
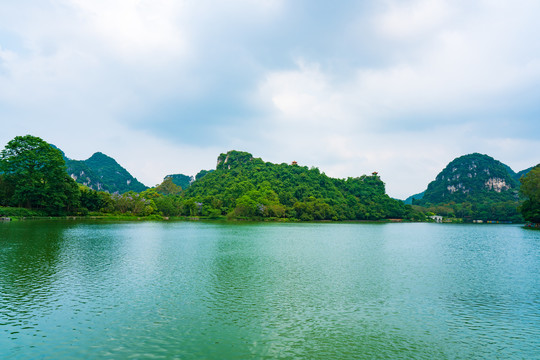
(522, 173)
(168, 187)
(20, 212)
(244, 186)
(92, 201)
(34, 176)
(184, 181)
(202, 173)
(530, 189)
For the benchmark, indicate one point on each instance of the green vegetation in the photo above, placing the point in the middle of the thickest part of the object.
(168, 187)
(530, 189)
(184, 181)
(473, 187)
(522, 173)
(34, 181)
(101, 172)
(202, 173)
(411, 198)
(18, 212)
(34, 177)
(474, 177)
(244, 187)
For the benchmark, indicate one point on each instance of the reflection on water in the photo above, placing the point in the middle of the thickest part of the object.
(210, 290)
(29, 262)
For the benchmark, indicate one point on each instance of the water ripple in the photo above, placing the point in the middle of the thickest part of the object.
(195, 290)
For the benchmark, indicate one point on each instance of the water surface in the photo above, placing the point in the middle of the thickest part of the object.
(189, 290)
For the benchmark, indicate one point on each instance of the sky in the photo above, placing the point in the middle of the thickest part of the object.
(351, 87)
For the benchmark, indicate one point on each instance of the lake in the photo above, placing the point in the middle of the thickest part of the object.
(210, 290)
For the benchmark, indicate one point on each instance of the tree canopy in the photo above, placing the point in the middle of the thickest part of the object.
(530, 189)
(34, 176)
(244, 186)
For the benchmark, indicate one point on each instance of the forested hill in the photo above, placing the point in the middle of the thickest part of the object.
(474, 178)
(474, 187)
(101, 172)
(243, 185)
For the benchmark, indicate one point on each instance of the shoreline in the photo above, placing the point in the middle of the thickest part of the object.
(158, 218)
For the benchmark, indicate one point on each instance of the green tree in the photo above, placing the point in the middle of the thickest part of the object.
(530, 189)
(168, 205)
(92, 200)
(168, 187)
(35, 176)
(133, 203)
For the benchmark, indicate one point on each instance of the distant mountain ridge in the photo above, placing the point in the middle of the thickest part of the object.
(103, 173)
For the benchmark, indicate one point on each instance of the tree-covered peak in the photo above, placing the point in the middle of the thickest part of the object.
(471, 177)
(245, 186)
(102, 172)
(234, 159)
(101, 158)
(477, 166)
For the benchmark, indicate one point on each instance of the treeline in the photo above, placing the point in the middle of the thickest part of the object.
(33, 176)
(469, 211)
(248, 188)
(244, 186)
(34, 181)
(530, 189)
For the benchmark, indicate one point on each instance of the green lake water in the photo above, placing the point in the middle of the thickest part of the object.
(196, 290)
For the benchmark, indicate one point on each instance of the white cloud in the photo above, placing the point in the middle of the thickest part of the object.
(414, 19)
(305, 96)
(135, 30)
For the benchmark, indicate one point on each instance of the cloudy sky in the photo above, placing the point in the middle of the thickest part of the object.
(351, 87)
